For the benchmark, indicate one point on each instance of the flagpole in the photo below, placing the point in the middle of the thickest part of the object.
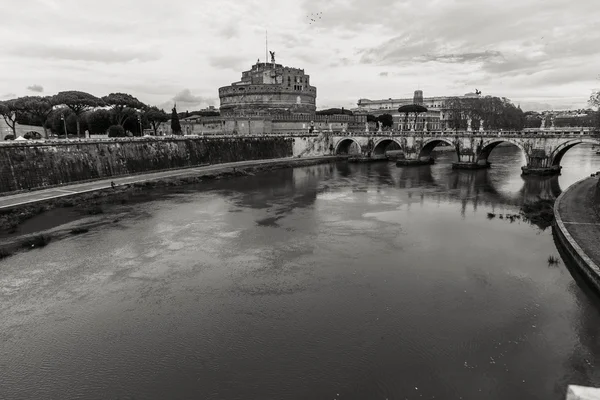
(266, 48)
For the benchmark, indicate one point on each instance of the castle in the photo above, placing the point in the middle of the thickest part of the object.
(270, 99)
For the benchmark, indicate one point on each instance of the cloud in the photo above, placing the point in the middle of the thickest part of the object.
(234, 62)
(513, 48)
(36, 88)
(186, 96)
(8, 96)
(230, 31)
(89, 52)
(384, 73)
(185, 99)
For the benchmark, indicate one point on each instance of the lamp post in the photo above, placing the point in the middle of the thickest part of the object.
(140, 122)
(62, 118)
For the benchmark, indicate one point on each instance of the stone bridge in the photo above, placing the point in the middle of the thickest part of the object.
(544, 149)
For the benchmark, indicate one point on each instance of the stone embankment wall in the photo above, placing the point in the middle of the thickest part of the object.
(577, 255)
(34, 165)
(597, 199)
(313, 145)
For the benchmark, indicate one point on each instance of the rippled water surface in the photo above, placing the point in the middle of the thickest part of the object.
(344, 281)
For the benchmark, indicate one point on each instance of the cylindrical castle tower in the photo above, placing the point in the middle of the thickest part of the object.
(269, 88)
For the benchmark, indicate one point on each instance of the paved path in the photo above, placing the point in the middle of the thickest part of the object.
(68, 190)
(580, 219)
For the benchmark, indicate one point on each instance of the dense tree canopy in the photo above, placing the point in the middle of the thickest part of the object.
(119, 103)
(35, 110)
(78, 102)
(371, 118)
(387, 120)
(497, 113)
(99, 121)
(57, 125)
(334, 111)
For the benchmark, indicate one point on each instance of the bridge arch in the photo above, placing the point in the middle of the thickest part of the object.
(557, 154)
(383, 145)
(430, 144)
(347, 146)
(490, 145)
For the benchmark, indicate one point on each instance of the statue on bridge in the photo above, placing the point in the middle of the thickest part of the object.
(469, 121)
(543, 126)
(379, 126)
(480, 124)
(366, 127)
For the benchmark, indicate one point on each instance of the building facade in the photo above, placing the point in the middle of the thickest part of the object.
(436, 117)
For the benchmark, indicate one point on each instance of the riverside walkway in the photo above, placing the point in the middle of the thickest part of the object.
(25, 198)
(576, 211)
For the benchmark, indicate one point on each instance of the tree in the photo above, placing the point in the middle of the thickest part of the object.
(371, 118)
(175, 125)
(155, 117)
(387, 120)
(99, 121)
(120, 102)
(116, 131)
(78, 102)
(10, 112)
(132, 124)
(594, 101)
(497, 113)
(57, 124)
(37, 108)
(334, 111)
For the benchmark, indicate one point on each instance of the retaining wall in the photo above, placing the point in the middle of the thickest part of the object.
(36, 165)
(584, 264)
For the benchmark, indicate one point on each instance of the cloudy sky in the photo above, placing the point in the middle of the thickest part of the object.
(539, 53)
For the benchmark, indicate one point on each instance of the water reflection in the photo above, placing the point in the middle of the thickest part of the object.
(335, 281)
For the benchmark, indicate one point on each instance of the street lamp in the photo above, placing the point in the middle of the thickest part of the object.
(140, 122)
(62, 118)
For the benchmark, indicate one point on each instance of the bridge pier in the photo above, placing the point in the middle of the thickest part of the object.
(540, 162)
(471, 165)
(541, 171)
(407, 162)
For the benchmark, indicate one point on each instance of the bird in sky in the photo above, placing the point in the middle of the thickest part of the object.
(314, 17)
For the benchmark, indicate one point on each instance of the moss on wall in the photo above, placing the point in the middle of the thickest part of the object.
(35, 165)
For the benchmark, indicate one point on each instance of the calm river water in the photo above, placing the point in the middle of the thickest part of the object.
(343, 281)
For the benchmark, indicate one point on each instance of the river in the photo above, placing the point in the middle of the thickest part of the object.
(341, 281)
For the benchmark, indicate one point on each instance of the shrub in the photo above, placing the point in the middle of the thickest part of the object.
(116, 131)
(4, 253)
(36, 241)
